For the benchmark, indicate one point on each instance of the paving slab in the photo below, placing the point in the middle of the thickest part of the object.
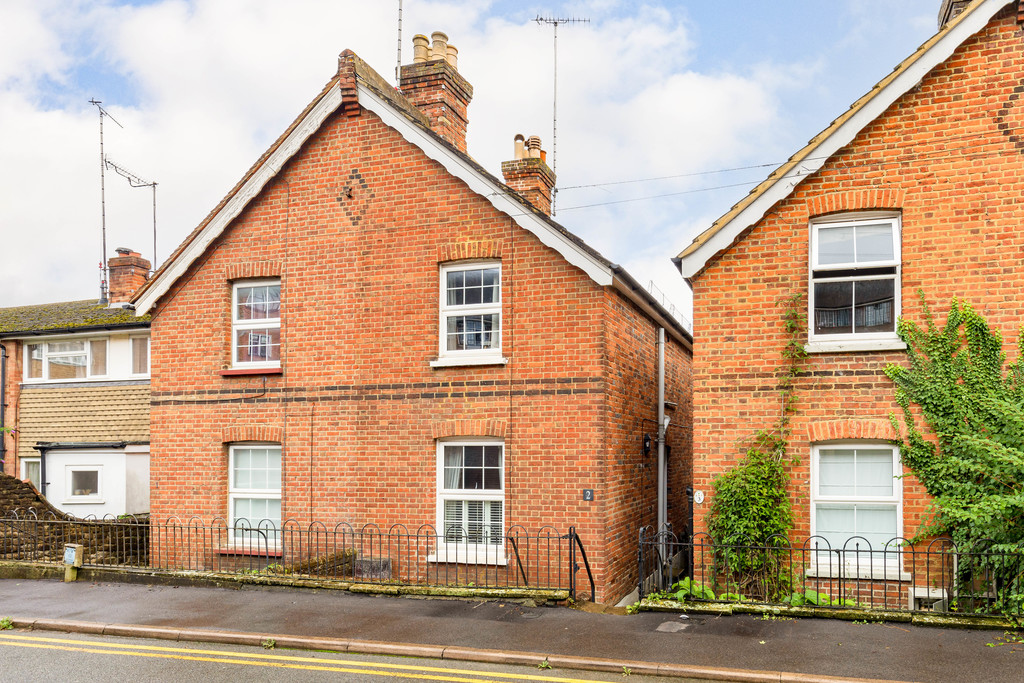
(742, 646)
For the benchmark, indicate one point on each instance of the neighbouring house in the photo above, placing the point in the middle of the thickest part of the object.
(75, 378)
(370, 329)
(917, 187)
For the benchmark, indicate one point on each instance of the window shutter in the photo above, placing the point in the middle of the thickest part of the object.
(452, 520)
(496, 522)
(475, 519)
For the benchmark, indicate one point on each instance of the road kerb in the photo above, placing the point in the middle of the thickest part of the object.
(430, 652)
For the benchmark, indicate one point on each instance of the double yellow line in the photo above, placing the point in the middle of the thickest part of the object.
(273, 660)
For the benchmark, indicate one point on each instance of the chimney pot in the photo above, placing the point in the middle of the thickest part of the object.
(420, 48)
(440, 48)
(529, 174)
(533, 143)
(433, 85)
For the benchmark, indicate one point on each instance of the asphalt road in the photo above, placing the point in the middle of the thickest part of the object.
(812, 646)
(57, 658)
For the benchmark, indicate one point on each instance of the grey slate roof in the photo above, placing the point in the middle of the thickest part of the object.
(66, 316)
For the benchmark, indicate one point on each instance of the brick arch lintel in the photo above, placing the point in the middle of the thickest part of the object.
(443, 429)
(855, 429)
(262, 433)
(252, 270)
(856, 200)
(469, 249)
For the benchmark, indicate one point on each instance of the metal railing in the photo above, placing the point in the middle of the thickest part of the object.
(540, 560)
(898, 576)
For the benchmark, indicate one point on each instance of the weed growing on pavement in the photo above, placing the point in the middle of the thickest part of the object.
(626, 671)
(544, 665)
(269, 644)
(6, 624)
(1009, 638)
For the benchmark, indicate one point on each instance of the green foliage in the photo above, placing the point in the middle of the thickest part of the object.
(6, 624)
(751, 503)
(269, 644)
(545, 664)
(750, 518)
(973, 467)
(975, 472)
(688, 588)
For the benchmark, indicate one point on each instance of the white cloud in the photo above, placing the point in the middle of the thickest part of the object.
(202, 87)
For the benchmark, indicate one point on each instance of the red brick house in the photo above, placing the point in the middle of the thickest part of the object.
(916, 187)
(371, 329)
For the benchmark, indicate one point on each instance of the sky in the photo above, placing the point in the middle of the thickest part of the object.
(667, 112)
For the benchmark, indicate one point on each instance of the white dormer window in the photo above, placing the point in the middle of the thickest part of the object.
(855, 279)
(256, 324)
(470, 314)
(66, 360)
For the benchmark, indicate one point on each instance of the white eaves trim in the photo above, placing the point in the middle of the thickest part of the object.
(453, 163)
(264, 174)
(457, 166)
(816, 156)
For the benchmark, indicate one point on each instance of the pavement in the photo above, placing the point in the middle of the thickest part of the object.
(722, 648)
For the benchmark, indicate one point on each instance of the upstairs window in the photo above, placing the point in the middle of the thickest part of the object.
(471, 311)
(855, 278)
(66, 360)
(256, 324)
(140, 355)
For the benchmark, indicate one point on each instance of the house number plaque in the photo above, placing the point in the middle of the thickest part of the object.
(588, 494)
(698, 497)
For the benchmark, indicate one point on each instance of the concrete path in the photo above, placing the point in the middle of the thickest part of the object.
(737, 648)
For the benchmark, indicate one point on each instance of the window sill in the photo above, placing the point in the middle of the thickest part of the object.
(274, 551)
(493, 556)
(84, 501)
(855, 345)
(244, 372)
(877, 572)
(454, 362)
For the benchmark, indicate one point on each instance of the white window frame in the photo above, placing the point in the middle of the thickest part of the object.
(244, 540)
(72, 498)
(818, 273)
(25, 462)
(880, 566)
(238, 325)
(131, 352)
(464, 551)
(455, 357)
(47, 354)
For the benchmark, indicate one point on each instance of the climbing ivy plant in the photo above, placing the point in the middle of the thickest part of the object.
(751, 503)
(973, 404)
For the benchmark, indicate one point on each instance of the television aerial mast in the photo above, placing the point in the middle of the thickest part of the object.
(554, 23)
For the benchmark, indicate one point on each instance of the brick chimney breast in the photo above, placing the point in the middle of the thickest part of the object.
(128, 272)
(528, 173)
(432, 83)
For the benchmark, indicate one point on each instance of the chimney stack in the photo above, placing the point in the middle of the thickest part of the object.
(432, 84)
(128, 272)
(529, 174)
(950, 9)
